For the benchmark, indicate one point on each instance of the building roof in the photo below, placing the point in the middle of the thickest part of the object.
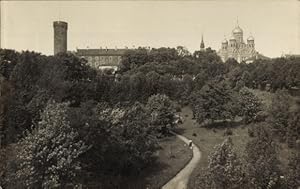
(231, 38)
(292, 55)
(237, 30)
(202, 46)
(225, 41)
(251, 38)
(101, 52)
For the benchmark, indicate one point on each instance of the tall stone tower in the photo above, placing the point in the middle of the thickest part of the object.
(60, 36)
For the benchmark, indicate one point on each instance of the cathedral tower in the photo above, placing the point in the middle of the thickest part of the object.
(202, 46)
(236, 48)
(250, 42)
(238, 34)
(224, 44)
(60, 36)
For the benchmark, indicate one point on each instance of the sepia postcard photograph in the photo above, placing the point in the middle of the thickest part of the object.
(150, 94)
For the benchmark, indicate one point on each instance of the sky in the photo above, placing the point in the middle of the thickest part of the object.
(28, 25)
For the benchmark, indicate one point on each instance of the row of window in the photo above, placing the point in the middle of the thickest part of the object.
(233, 45)
(107, 59)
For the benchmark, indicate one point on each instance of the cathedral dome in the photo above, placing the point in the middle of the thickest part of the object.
(237, 30)
(251, 38)
(232, 38)
(225, 41)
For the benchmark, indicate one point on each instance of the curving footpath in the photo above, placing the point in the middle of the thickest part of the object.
(180, 181)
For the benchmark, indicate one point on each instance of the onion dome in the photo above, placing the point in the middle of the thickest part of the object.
(237, 30)
(232, 38)
(251, 38)
(224, 41)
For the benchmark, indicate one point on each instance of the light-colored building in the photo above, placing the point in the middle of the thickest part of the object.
(236, 47)
(102, 58)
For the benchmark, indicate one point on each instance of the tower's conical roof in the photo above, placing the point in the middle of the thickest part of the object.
(202, 46)
(237, 30)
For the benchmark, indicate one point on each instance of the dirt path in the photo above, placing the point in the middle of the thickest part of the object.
(180, 181)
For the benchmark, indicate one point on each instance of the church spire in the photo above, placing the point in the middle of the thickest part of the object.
(202, 46)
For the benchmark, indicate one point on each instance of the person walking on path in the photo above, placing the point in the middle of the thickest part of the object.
(191, 144)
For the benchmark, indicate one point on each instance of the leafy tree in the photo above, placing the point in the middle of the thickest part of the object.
(121, 138)
(250, 105)
(75, 69)
(293, 129)
(162, 112)
(163, 55)
(225, 170)
(207, 56)
(187, 83)
(213, 102)
(138, 139)
(152, 79)
(134, 58)
(8, 60)
(234, 76)
(48, 156)
(17, 120)
(5, 92)
(231, 61)
(293, 174)
(200, 80)
(262, 165)
(279, 112)
(182, 51)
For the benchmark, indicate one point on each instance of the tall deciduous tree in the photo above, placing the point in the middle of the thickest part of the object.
(213, 102)
(225, 170)
(249, 104)
(262, 160)
(279, 112)
(293, 173)
(293, 129)
(162, 111)
(48, 156)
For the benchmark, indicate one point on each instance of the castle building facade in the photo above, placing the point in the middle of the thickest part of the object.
(102, 58)
(97, 58)
(236, 47)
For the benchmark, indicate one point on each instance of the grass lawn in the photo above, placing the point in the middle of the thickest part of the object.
(171, 158)
(207, 139)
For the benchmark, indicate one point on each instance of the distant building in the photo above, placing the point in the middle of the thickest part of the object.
(202, 46)
(236, 47)
(102, 58)
(60, 36)
(291, 55)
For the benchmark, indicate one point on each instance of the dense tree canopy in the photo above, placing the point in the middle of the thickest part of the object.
(213, 102)
(225, 170)
(113, 121)
(262, 160)
(48, 156)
